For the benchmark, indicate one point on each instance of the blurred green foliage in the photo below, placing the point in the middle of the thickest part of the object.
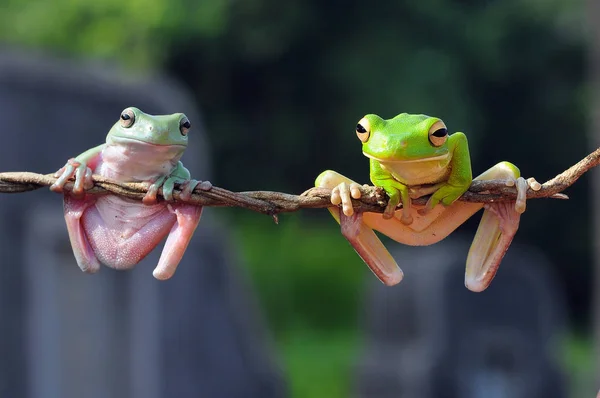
(296, 266)
(281, 86)
(312, 304)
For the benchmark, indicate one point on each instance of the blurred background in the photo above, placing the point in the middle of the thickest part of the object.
(276, 89)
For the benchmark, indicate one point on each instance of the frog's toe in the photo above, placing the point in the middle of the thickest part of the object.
(533, 184)
(187, 188)
(335, 198)
(151, 196)
(167, 189)
(62, 175)
(390, 210)
(80, 179)
(75, 169)
(355, 190)
(60, 171)
(341, 194)
(205, 185)
(406, 218)
(521, 202)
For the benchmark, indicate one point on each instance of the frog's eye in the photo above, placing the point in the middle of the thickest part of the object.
(184, 126)
(127, 118)
(438, 133)
(363, 129)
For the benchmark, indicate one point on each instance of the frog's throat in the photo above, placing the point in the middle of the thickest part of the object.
(424, 159)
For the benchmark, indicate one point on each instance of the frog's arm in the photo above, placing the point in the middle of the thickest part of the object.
(460, 176)
(396, 191)
(81, 168)
(180, 175)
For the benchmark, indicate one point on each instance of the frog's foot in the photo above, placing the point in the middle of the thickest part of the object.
(397, 193)
(343, 194)
(368, 246)
(153, 186)
(84, 254)
(73, 168)
(416, 192)
(187, 187)
(446, 195)
(522, 185)
(498, 226)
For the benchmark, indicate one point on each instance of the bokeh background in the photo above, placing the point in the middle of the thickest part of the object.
(280, 87)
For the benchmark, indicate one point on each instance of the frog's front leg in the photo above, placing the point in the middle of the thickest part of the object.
(180, 175)
(81, 168)
(396, 191)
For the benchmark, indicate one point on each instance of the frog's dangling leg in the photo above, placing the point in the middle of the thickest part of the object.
(370, 248)
(498, 226)
(188, 217)
(362, 238)
(84, 254)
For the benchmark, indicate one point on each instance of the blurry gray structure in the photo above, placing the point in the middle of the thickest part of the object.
(430, 337)
(67, 334)
(593, 107)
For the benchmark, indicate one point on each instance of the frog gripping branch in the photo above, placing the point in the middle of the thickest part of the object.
(123, 197)
(412, 156)
(119, 232)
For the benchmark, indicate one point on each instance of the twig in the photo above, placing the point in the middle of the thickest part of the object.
(273, 203)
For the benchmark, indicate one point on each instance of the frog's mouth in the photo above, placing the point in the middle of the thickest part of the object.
(419, 160)
(129, 140)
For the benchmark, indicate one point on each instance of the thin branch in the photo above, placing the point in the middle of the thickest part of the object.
(273, 203)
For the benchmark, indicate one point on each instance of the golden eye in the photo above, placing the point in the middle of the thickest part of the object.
(363, 130)
(438, 133)
(184, 125)
(127, 118)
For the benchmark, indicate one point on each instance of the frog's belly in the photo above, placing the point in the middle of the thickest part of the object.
(419, 172)
(122, 232)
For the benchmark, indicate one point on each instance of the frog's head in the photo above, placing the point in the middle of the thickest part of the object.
(403, 138)
(162, 130)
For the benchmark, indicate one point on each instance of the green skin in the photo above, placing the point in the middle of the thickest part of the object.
(119, 232)
(411, 156)
(406, 138)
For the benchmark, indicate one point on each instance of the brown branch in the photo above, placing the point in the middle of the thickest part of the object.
(273, 203)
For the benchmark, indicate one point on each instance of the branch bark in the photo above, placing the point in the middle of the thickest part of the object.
(273, 203)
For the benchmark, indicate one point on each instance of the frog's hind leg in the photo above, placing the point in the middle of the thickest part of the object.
(362, 238)
(188, 217)
(498, 226)
(370, 248)
(84, 254)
